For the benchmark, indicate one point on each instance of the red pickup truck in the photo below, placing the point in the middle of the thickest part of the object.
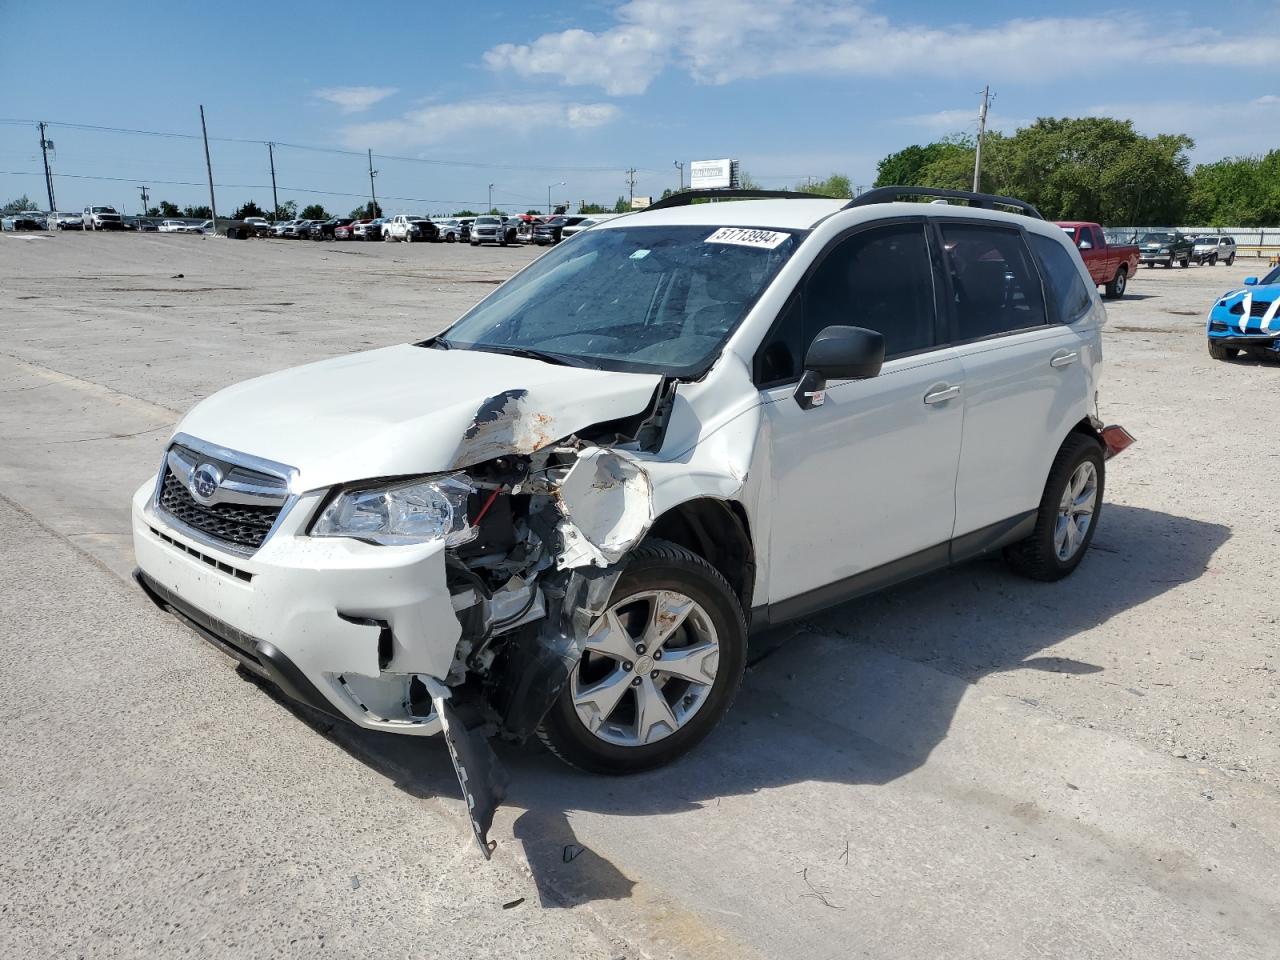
(1109, 265)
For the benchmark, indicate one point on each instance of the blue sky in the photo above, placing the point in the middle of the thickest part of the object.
(526, 95)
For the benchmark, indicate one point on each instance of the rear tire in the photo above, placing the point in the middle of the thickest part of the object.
(1184, 261)
(1213, 260)
(1230, 260)
(1115, 289)
(657, 565)
(1041, 556)
(1218, 352)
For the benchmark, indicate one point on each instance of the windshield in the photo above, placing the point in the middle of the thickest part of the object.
(1157, 238)
(486, 220)
(651, 299)
(1272, 277)
(104, 210)
(1202, 240)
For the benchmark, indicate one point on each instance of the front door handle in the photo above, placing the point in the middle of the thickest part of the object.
(1064, 358)
(941, 393)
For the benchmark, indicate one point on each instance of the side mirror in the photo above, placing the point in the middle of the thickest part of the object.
(1086, 245)
(838, 353)
(1250, 281)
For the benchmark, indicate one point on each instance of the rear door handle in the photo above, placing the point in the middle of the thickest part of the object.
(1064, 358)
(941, 394)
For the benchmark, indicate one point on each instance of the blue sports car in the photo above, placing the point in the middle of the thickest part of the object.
(1247, 319)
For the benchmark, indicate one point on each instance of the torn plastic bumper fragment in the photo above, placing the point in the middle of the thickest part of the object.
(482, 777)
(606, 500)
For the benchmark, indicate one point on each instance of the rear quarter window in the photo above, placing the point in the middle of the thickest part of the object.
(1066, 292)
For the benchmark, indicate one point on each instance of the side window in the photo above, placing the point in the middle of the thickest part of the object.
(995, 284)
(1098, 240)
(1068, 295)
(781, 354)
(880, 279)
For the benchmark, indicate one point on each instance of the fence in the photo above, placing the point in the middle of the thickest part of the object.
(1262, 242)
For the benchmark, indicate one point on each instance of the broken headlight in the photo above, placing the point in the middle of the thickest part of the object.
(415, 512)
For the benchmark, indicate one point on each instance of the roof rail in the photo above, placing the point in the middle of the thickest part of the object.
(686, 197)
(987, 201)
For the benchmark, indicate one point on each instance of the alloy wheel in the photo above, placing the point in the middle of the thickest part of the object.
(1075, 510)
(649, 664)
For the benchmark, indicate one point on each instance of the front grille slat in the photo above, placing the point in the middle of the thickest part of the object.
(1257, 308)
(241, 525)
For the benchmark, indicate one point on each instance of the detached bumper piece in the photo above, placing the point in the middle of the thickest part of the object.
(482, 778)
(259, 657)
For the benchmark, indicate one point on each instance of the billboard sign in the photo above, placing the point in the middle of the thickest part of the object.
(710, 174)
(639, 203)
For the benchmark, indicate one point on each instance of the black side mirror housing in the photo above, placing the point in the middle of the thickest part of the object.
(838, 353)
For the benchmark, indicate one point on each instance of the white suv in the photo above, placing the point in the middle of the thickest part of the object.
(568, 510)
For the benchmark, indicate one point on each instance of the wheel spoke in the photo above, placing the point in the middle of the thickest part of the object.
(1060, 535)
(654, 719)
(697, 664)
(609, 637)
(598, 701)
(667, 612)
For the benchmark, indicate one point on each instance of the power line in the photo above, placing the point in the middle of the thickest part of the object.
(97, 128)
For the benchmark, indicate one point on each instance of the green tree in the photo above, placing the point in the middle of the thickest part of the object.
(249, 209)
(286, 211)
(17, 206)
(1236, 191)
(621, 206)
(466, 213)
(369, 211)
(837, 185)
(533, 213)
(593, 208)
(167, 209)
(1085, 168)
(197, 213)
(314, 211)
(746, 181)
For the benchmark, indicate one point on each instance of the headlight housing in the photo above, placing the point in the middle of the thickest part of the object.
(417, 511)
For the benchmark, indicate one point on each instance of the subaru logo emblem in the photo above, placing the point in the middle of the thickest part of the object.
(204, 483)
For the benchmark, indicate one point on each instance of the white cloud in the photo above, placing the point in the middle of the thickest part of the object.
(438, 122)
(1219, 128)
(959, 121)
(354, 99)
(719, 41)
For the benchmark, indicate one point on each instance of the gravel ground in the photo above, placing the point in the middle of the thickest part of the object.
(1087, 769)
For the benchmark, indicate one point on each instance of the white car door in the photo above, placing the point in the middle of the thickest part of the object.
(867, 478)
(1026, 367)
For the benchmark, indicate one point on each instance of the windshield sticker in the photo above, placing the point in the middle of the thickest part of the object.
(639, 255)
(765, 239)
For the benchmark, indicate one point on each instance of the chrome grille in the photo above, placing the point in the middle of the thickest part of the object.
(237, 510)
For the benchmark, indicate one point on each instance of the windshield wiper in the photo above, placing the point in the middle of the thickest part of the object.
(546, 356)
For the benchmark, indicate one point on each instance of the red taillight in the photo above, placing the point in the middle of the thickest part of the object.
(1116, 439)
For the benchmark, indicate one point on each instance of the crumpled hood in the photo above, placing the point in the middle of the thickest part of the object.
(406, 410)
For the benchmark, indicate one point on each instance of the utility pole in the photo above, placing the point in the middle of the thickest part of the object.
(208, 165)
(490, 210)
(982, 128)
(373, 193)
(145, 198)
(679, 165)
(631, 186)
(560, 184)
(275, 201)
(45, 144)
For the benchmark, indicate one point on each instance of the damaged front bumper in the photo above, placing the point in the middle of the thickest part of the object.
(343, 626)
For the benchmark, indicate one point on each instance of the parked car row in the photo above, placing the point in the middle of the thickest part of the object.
(1179, 248)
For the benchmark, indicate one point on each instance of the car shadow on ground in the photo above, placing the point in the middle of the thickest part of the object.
(860, 694)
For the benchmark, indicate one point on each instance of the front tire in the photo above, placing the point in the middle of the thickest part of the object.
(1213, 260)
(660, 667)
(1218, 352)
(1068, 513)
